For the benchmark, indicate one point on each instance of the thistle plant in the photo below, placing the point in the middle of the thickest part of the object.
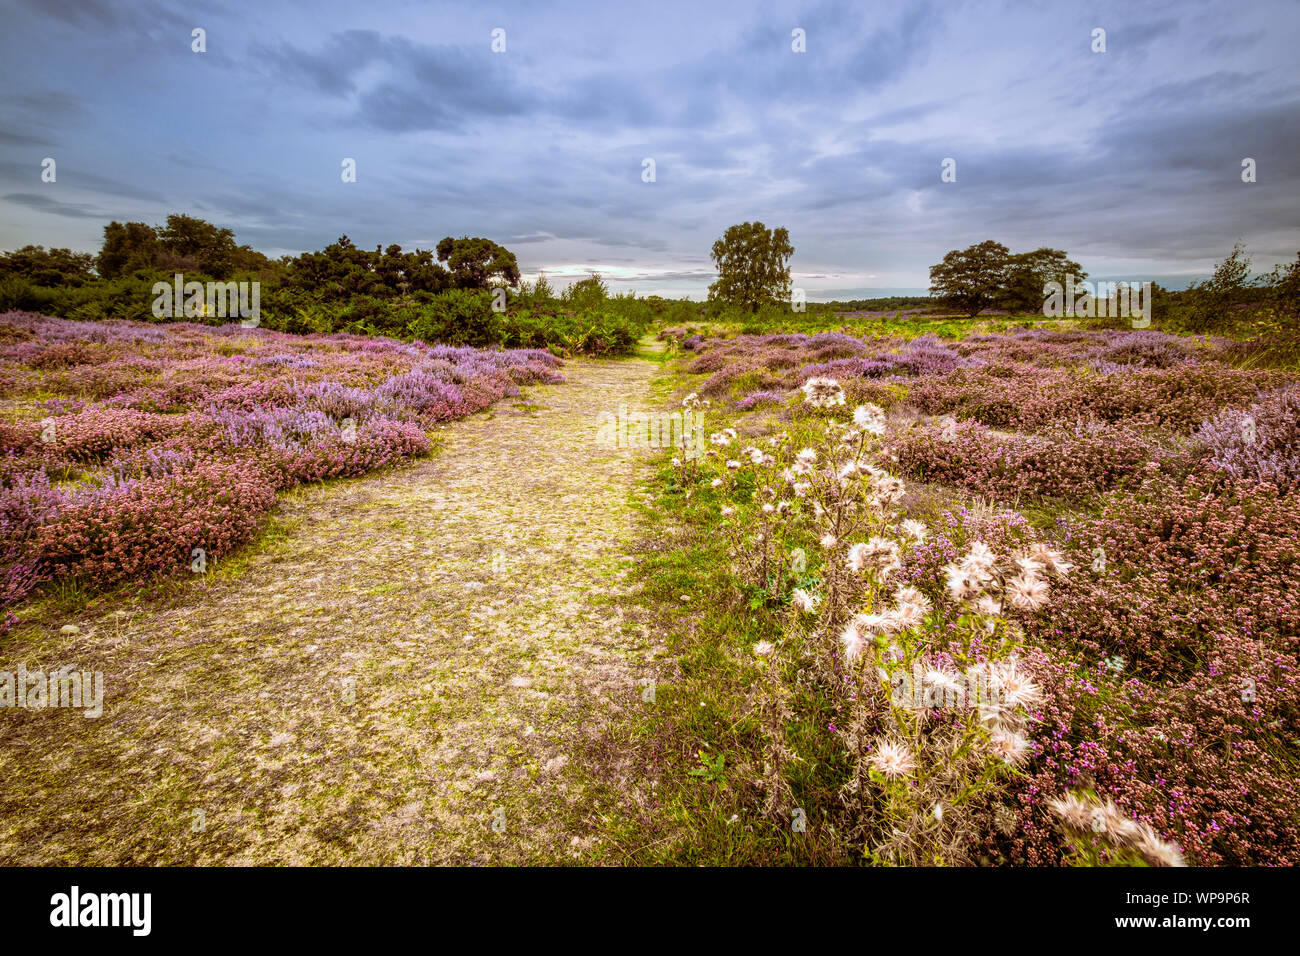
(933, 704)
(686, 460)
(1101, 833)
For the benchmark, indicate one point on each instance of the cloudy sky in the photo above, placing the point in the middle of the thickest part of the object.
(1129, 159)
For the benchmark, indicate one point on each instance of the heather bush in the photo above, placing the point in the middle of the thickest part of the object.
(1179, 564)
(130, 528)
(1031, 379)
(336, 453)
(757, 399)
(91, 434)
(1175, 689)
(1260, 443)
(1059, 462)
(178, 436)
(1177, 399)
(27, 502)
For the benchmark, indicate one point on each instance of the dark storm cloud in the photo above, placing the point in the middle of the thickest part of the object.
(1233, 43)
(139, 17)
(54, 206)
(76, 12)
(331, 68)
(22, 139)
(432, 87)
(36, 118)
(45, 105)
(1139, 35)
(79, 178)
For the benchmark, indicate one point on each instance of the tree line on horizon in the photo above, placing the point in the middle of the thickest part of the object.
(442, 293)
(987, 275)
(447, 294)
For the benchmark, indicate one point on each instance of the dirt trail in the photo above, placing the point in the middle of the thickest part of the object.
(403, 672)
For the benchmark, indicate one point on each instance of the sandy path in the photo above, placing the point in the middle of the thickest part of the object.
(405, 672)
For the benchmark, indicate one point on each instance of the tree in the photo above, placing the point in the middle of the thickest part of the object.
(403, 272)
(972, 279)
(184, 244)
(127, 247)
(587, 294)
(1028, 272)
(1283, 286)
(753, 264)
(1209, 302)
(475, 262)
(342, 270)
(48, 267)
(198, 244)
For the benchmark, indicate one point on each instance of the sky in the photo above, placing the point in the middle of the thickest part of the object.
(1129, 159)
